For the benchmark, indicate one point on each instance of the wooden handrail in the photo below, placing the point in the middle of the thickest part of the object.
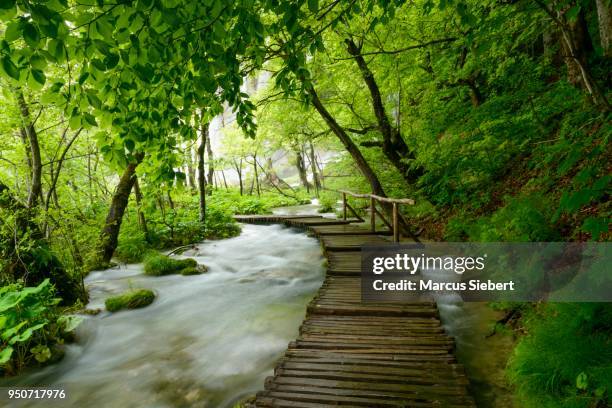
(395, 229)
(408, 201)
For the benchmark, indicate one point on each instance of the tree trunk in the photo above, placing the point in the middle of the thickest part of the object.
(271, 176)
(170, 201)
(224, 180)
(576, 54)
(394, 147)
(348, 144)
(604, 15)
(90, 185)
(110, 232)
(211, 166)
(142, 221)
(55, 174)
(256, 175)
(190, 169)
(238, 166)
(28, 157)
(36, 179)
(313, 168)
(576, 45)
(301, 167)
(201, 176)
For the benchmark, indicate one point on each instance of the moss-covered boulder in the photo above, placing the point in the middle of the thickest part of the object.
(197, 270)
(160, 265)
(132, 299)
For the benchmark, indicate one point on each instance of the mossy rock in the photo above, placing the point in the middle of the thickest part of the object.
(160, 265)
(197, 270)
(133, 299)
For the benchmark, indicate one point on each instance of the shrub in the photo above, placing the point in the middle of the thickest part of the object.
(160, 265)
(133, 299)
(565, 360)
(132, 244)
(31, 326)
(328, 201)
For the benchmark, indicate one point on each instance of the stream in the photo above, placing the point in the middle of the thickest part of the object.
(210, 340)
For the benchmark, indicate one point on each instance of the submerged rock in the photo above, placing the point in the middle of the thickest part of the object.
(132, 299)
(197, 270)
(160, 265)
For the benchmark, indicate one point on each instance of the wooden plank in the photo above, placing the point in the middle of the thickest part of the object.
(306, 222)
(344, 230)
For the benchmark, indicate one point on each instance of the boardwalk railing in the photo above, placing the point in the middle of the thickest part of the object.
(394, 225)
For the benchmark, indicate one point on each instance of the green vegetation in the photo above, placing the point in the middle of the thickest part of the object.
(133, 299)
(160, 265)
(31, 326)
(565, 359)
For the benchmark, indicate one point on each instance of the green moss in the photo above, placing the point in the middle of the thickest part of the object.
(200, 269)
(160, 265)
(133, 299)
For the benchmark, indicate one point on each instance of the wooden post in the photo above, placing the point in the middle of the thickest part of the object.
(344, 206)
(396, 234)
(372, 214)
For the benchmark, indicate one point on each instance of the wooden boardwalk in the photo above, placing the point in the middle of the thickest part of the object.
(356, 354)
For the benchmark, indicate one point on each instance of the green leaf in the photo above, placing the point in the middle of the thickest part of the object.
(39, 76)
(41, 353)
(13, 31)
(313, 5)
(75, 122)
(111, 61)
(5, 354)
(56, 49)
(31, 35)
(38, 62)
(98, 64)
(90, 119)
(104, 28)
(27, 333)
(9, 68)
(70, 322)
(7, 334)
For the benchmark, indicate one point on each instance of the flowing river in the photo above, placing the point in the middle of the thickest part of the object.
(206, 341)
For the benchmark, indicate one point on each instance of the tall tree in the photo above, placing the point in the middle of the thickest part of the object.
(204, 135)
(393, 145)
(211, 165)
(362, 164)
(34, 157)
(576, 43)
(142, 220)
(110, 232)
(301, 166)
(313, 168)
